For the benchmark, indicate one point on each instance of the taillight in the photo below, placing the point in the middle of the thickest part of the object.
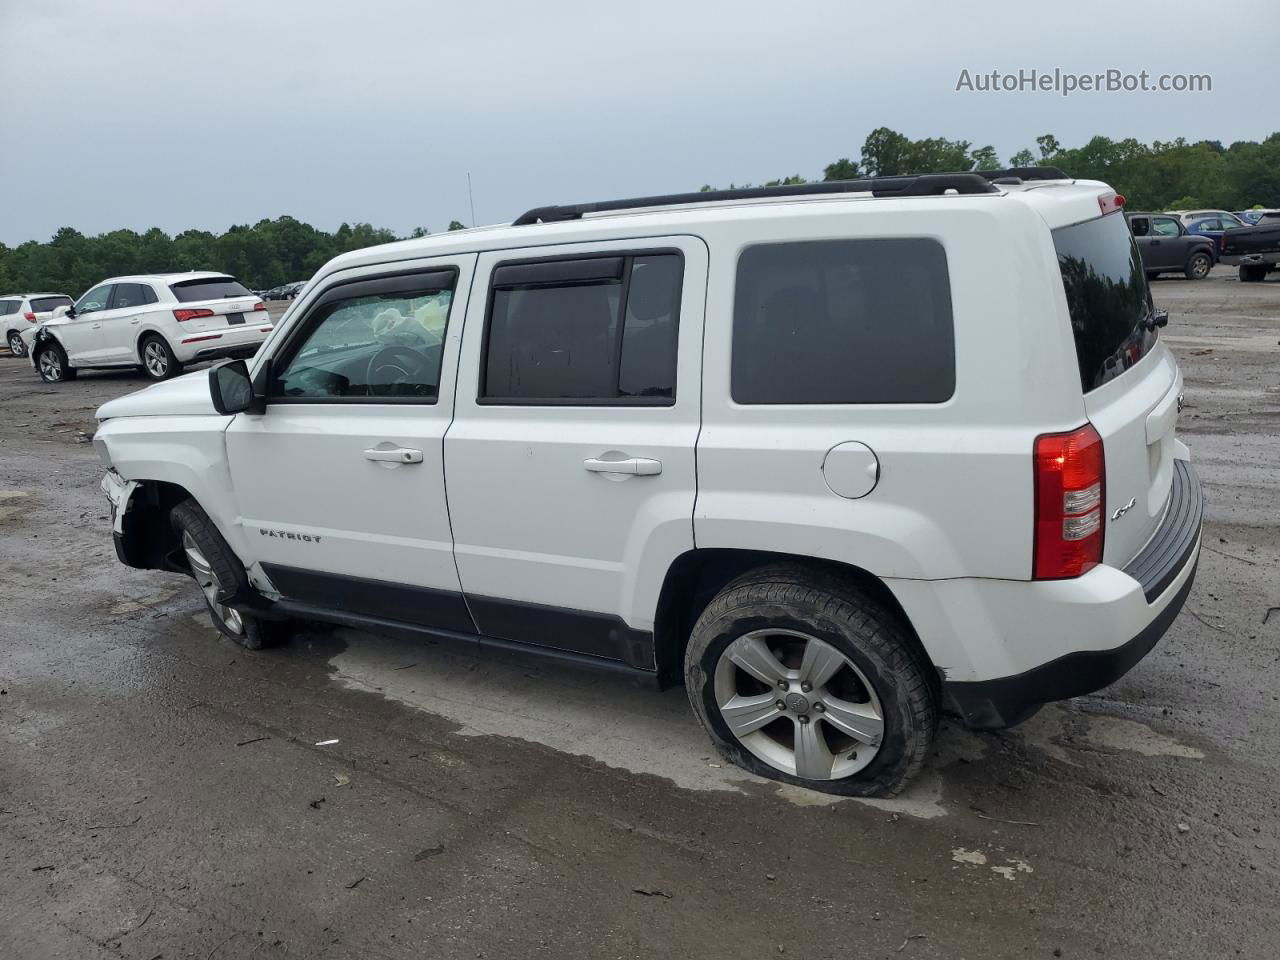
(1070, 490)
(29, 317)
(259, 306)
(1110, 202)
(181, 315)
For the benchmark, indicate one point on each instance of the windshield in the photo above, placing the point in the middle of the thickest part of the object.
(1107, 298)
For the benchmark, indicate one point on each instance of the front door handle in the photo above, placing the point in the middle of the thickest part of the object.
(393, 455)
(632, 467)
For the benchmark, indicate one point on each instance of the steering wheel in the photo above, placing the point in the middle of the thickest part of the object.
(399, 372)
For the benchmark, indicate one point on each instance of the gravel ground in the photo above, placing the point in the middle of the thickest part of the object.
(165, 794)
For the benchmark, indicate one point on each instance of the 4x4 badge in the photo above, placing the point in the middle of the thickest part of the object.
(1121, 511)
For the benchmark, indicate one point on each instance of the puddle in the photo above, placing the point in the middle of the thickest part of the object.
(141, 603)
(583, 714)
(1114, 733)
(1057, 731)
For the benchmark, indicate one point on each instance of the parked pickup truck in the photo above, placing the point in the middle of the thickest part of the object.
(1255, 250)
(1166, 247)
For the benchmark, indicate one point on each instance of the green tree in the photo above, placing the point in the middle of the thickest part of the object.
(455, 225)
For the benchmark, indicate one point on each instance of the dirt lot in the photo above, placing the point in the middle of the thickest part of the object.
(165, 794)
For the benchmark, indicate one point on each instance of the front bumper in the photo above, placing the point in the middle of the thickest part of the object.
(1163, 571)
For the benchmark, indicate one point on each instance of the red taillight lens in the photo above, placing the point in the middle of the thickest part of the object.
(29, 317)
(259, 306)
(181, 315)
(1110, 202)
(1070, 491)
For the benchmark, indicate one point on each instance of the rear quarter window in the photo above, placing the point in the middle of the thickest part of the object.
(1107, 298)
(843, 322)
(208, 288)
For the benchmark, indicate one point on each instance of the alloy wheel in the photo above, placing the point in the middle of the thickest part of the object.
(155, 358)
(798, 704)
(202, 571)
(51, 365)
(16, 346)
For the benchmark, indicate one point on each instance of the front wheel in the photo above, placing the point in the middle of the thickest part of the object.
(218, 573)
(51, 363)
(158, 361)
(800, 677)
(16, 346)
(1198, 266)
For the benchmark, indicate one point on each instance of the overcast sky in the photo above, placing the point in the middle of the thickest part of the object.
(183, 113)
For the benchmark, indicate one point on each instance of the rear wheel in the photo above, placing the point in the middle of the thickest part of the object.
(51, 363)
(218, 573)
(1198, 266)
(800, 677)
(16, 346)
(158, 361)
(1252, 274)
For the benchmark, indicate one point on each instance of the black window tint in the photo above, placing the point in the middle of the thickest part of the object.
(208, 288)
(601, 328)
(7, 307)
(128, 295)
(378, 346)
(843, 321)
(1140, 226)
(1106, 296)
(49, 304)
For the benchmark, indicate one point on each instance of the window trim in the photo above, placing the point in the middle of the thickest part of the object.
(483, 373)
(845, 404)
(400, 281)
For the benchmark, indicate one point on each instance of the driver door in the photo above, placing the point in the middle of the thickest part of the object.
(81, 335)
(341, 482)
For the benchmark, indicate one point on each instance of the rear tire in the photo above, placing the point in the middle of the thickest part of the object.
(218, 572)
(158, 360)
(1252, 274)
(1198, 266)
(16, 346)
(52, 365)
(859, 709)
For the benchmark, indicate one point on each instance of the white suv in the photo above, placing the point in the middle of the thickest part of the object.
(157, 322)
(21, 313)
(836, 456)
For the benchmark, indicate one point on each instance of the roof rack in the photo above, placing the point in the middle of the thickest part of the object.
(1015, 174)
(921, 185)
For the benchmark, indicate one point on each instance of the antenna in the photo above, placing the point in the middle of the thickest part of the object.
(471, 198)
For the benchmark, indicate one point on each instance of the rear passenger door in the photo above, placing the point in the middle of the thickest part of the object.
(120, 323)
(570, 460)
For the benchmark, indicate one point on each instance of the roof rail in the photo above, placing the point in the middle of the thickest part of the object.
(1023, 173)
(921, 185)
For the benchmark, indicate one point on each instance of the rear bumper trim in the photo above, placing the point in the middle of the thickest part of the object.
(1158, 563)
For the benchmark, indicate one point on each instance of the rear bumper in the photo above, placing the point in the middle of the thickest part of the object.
(236, 351)
(1064, 638)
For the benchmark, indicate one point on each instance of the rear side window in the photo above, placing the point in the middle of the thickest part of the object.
(1107, 298)
(7, 307)
(48, 304)
(132, 295)
(596, 329)
(208, 288)
(843, 321)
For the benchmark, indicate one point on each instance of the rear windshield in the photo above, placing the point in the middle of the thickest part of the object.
(47, 304)
(208, 288)
(1107, 297)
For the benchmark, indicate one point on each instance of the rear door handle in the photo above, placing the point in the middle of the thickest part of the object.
(393, 455)
(633, 466)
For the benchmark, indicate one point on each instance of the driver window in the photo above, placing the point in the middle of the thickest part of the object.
(382, 346)
(95, 299)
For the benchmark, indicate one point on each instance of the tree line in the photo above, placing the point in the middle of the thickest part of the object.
(1161, 175)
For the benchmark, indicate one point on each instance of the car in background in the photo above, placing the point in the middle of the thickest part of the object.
(157, 322)
(1167, 247)
(21, 313)
(1187, 216)
(1251, 217)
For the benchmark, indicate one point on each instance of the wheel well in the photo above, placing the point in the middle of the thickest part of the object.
(142, 338)
(149, 541)
(695, 578)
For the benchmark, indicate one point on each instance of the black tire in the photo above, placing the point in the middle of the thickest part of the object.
(1198, 265)
(52, 365)
(158, 360)
(1252, 274)
(791, 597)
(245, 629)
(16, 346)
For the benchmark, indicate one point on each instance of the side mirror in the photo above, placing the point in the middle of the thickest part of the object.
(67, 311)
(231, 389)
